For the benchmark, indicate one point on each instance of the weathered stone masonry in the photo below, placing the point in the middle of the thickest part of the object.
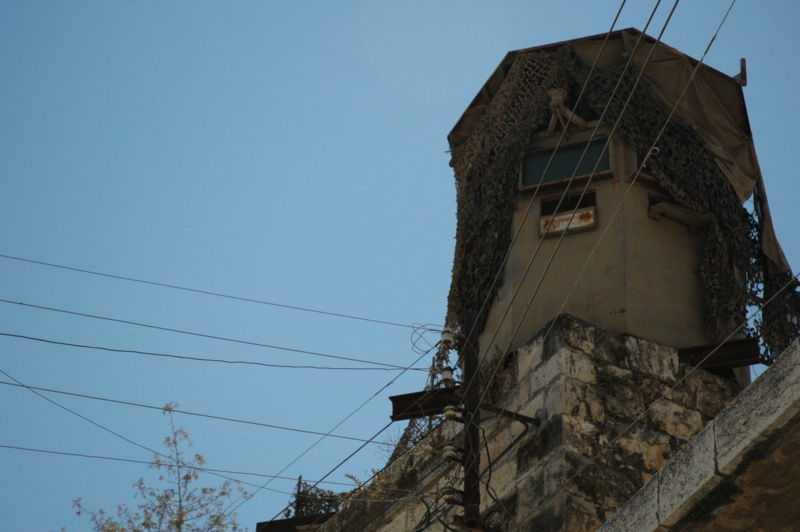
(580, 465)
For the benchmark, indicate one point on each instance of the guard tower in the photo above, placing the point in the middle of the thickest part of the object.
(633, 229)
(636, 228)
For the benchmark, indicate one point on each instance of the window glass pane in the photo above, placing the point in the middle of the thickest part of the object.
(563, 164)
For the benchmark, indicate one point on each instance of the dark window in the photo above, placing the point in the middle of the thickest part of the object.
(564, 161)
(568, 204)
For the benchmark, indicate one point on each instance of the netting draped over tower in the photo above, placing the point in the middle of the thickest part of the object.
(734, 269)
(486, 181)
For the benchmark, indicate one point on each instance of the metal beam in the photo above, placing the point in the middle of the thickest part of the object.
(732, 354)
(425, 403)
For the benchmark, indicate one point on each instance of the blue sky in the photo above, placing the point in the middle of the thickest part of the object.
(288, 151)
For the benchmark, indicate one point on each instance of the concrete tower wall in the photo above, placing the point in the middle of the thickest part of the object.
(642, 280)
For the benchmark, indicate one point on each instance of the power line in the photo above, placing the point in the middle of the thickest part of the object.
(472, 415)
(657, 4)
(580, 198)
(616, 212)
(271, 477)
(419, 481)
(635, 177)
(192, 357)
(535, 194)
(207, 292)
(110, 431)
(340, 423)
(188, 466)
(210, 471)
(515, 236)
(376, 473)
(630, 185)
(332, 470)
(531, 203)
(150, 462)
(324, 435)
(116, 459)
(189, 413)
(692, 369)
(736, 329)
(199, 334)
(568, 185)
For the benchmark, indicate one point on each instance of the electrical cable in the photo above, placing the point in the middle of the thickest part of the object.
(641, 166)
(561, 138)
(577, 205)
(112, 432)
(207, 292)
(188, 466)
(715, 35)
(150, 462)
(692, 369)
(419, 481)
(341, 422)
(534, 196)
(488, 483)
(195, 358)
(415, 492)
(573, 110)
(699, 63)
(566, 190)
(198, 334)
(405, 498)
(482, 358)
(568, 185)
(375, 474)
(156, 453)
(190, 413)
(330, 472)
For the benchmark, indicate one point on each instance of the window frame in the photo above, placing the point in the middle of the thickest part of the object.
(550, 144)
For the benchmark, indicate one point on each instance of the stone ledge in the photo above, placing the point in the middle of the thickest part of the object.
(760, 409)
(692, 471)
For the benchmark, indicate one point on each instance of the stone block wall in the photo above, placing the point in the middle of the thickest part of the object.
(613, 409)
(741, 472)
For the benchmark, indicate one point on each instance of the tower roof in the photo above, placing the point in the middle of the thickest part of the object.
(713, 104)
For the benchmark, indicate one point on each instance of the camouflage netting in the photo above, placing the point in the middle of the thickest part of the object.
(486, 183)
(780, 320)
(734, 270)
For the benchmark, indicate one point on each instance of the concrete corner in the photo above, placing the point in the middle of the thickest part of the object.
(692, 471)
(760, 409)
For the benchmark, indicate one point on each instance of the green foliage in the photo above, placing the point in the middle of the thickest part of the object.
(178, 503)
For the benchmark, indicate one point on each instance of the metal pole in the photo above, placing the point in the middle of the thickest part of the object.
(472, 450)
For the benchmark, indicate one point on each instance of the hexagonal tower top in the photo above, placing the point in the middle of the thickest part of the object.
(604, 177)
